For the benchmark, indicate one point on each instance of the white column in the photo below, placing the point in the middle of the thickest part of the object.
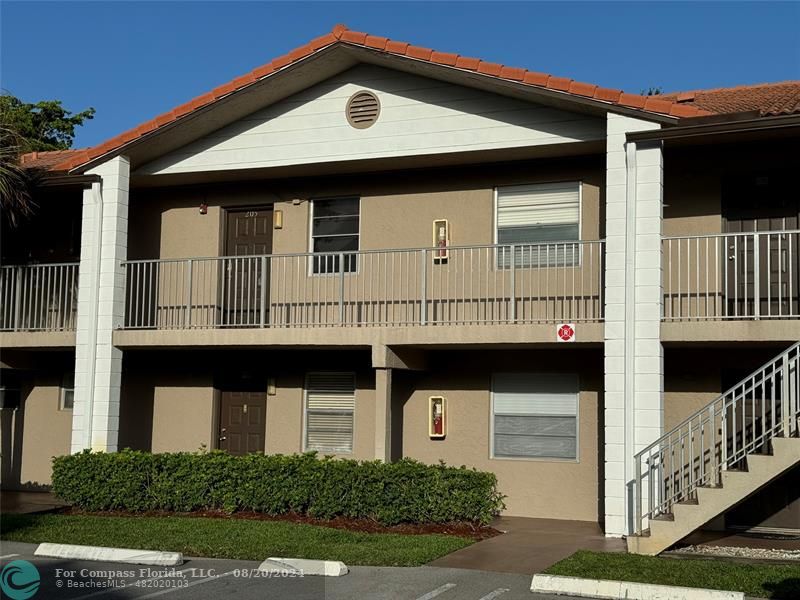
(383, 414)
(633, 351)
(101, 297)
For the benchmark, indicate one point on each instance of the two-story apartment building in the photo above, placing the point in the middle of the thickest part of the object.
(375, 250)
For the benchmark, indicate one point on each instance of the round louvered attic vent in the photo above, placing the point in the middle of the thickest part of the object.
(363, 109)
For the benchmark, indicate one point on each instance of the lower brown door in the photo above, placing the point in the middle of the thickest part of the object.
(243, 419)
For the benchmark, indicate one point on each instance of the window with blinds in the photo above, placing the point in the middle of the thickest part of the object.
(329, 405)
(542, 221)
(535, 415)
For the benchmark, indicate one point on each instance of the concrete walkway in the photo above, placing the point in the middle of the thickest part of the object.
(530, 545)
(12, 501)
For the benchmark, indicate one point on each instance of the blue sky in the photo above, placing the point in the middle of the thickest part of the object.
(134, 60)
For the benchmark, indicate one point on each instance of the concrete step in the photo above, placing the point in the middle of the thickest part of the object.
(713, 501)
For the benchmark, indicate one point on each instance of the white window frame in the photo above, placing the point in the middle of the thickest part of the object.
(62, 389)
(311, 236)
(304, 428)
(495, 205)
(575, 460)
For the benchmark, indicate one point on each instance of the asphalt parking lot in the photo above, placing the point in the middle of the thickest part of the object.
(207, 579)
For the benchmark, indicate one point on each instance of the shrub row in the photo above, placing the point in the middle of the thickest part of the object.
(406, 491)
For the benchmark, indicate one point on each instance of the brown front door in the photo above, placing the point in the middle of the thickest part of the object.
(761, 202)
(244, 296)
(243, 420)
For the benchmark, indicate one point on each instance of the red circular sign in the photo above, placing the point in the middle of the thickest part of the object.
(566, 333)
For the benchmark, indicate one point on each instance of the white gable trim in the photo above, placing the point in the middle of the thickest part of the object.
(419, 116)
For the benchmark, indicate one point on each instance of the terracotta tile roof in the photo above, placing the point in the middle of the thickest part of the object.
(342, 35)
(767, 98)
(48, 160)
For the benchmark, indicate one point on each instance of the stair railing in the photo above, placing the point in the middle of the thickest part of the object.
(718, 437)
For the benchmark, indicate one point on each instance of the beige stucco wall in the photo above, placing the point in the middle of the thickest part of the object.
(183, 412)
(285, 416)
(694, 376)
(166, 222)
(184, 415)
(168, 412)
(35, 433)
(396, 211)
(552, 489)
(693, 179)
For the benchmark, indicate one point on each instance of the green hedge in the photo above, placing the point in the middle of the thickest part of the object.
(406, 491)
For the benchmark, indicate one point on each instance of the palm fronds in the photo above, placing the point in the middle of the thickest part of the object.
(16, 182)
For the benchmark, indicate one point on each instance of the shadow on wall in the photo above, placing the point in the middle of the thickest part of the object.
(12, 427)
(136, 413)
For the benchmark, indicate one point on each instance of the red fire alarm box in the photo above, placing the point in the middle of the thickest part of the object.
(437, 417)
(441, 240)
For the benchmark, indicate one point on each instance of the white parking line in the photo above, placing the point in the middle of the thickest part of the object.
(495, 594)
(8, 556)
(437, 591)
(176, 589)
(112, 590)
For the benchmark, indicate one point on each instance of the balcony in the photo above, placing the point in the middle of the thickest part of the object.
(39, 298)
(734, 276)
(474, 285)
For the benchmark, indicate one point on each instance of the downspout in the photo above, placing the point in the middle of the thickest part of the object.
(630, 329)
(91, 358)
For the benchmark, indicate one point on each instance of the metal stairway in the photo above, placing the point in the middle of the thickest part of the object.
(717, 457)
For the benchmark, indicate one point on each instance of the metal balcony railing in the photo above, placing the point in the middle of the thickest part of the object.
(41, 297)
(493, 284)
(719, 436)
(732, 276)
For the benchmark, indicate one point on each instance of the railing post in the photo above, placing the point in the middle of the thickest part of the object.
(341, 288)
(786, 390)
(756, 276)
(17, 297)
(637, 496)
(513, 307)
(723, 439)
(187, 321)
(263, 299)
(712, 460)
(423, 311)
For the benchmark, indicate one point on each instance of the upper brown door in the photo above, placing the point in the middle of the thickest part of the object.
(761, 202)
(243, 417)
(245, 289)
(249, 232)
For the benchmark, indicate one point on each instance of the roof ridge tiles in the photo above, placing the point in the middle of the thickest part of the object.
(341, 34)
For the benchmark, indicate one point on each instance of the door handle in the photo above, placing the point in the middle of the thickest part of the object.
(223, 438)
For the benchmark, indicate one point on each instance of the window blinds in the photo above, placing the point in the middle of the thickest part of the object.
(535, 415)
(538, 204)
(330, 401)
(539, 214)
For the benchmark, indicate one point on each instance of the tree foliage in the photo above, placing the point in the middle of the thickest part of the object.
(26, 127)
(41, 126)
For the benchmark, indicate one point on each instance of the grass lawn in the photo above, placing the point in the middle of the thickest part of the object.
(231, 538)
(760, 580)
